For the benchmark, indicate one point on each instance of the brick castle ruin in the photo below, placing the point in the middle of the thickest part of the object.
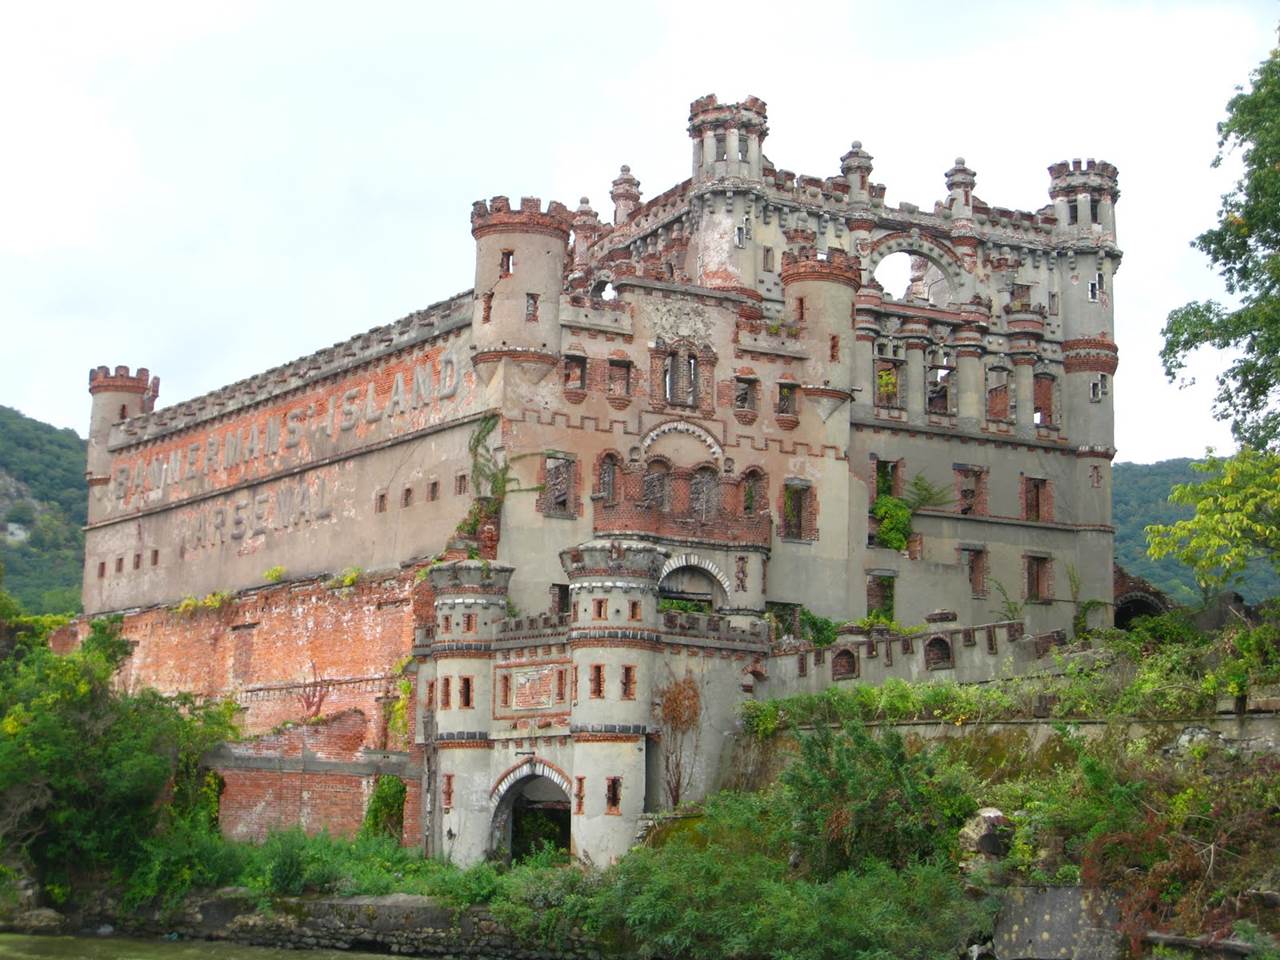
(699, 398)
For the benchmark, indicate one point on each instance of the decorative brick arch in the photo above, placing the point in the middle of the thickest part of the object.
(942, 257)
(529, 767)
(683, 426)
(693, 560)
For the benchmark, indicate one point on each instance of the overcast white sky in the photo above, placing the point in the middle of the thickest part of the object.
(212, 189)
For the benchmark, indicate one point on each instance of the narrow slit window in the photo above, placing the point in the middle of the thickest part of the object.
(465, 691)
(531, 307)
(628, 682)
(505, 690)
(406, 497)
(597, 681)
(613, 795)
(507, 263)
(380, 503)
(446, 791)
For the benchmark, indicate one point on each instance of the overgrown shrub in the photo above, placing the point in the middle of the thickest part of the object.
(384, 816)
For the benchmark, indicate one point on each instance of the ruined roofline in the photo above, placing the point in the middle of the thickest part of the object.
(412, 329)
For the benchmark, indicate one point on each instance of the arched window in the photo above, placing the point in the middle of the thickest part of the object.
(657, 486)
(754, 498)
(669, 379)
(692, 395)
(609, 479)
(680, 376)
(937, 654)
(844, 665)
(704, 494)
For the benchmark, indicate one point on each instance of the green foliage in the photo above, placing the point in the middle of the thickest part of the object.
(273, 574)
(384, 816)
(1236, 518)
(923, 495)
(675, 605)
(817, 630)
(44, 572)
(1009, 609)
(347, 578)
(82, 765)
(895, 521)
(1245, 249)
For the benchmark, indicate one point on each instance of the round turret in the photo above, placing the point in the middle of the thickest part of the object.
(117, 396)
(818, 296)
(727, 137)
(520, 266)
(1084, 194)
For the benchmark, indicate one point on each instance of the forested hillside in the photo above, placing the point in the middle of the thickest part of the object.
(43, 497)
(1140, 496)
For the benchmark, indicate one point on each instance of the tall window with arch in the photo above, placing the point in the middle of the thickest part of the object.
(704, 494)
(657, 486)
(609, 478)
(754, 499)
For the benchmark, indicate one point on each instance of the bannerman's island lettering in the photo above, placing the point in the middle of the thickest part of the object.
(333, 417)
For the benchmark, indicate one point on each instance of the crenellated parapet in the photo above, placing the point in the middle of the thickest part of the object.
(496, 216)
(105, 380)
(1094, 177)
(836, 267)
(626, 559)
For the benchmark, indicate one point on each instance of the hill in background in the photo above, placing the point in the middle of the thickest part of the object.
(43, 498)
(1140, 496)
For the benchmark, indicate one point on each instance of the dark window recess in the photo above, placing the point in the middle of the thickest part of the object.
(460, 484)
(937, 653)
(505, 697)
(561, 597)
(559, 474)
(380, 503)
(975, 562)
(843, 665)
(704, 494)
(795, 506)
(802, 664)
(766, 255)
(613, 795)
(406, 497)
(628, 683)
(155, 557)
(137, 561)
(464, 693)
(609, 479)
(1035, 497)
(119, 564)
(787, 396)
(507, 263)
(433, 490)
(1038, 579)
(531, 307)
(657, 487)
(597, 681)
(745, 392)
(102, 568)
(753, 496)
(880, 598)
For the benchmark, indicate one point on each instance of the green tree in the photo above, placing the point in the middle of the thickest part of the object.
(83, 765)
(1245, 249)
(1236, 519)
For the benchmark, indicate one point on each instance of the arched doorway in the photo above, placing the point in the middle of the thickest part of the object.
(692, 583)
(1135, 605)
(532, 810)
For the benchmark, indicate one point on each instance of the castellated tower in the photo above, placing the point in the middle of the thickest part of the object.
(727, 186)
(117, 396)
(521, 257)
(471, 600)
(613, 635)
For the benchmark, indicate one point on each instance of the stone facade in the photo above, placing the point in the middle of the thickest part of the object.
(699, 398)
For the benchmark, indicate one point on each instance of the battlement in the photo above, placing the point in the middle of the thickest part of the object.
(836, 267)
(1067, 179)
(496, 216)
(470, 577)
(103, 379)
(709, 112)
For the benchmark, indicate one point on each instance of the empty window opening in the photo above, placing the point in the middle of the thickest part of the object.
(560, 686)
(559, 476)
(574, 685)
(799, 309)
(579, 794)
(406, 497)
(975, 562)
(531, 307)
(1098, 388)
(888, 384)
(608, 486)
(468, 623)
(600, 609)
(446, 690)
(937, 654)
(1053, 304)
(124, 412)
(433, 490)
(795, 510)
(1095, 212)
(504, 690)
(597, 681)
(603, 290)
(1000, 400)
(613, 795)
(938, 384)
(431, 694)
(834, 351)
(137, 561)
(766, 259)
(1096, 287)
(486, 311)
(1073, 211)
(745, 393)
(742, 147)
(634, 610)
(722, 149)
(704, 494)
(888, 475)
(446, 623)
(446, 791)
(657, 486)
(753, 494)
(1043, 387)
(460, 484)
(575, 373)
(628, 682)
(102, 569)
(465, 688)
(155, 557)
(1035, 496)
(560, 598)
(880, 599)
(802, 665)
(844, 665)
(507, 263)
(788, 395)
(740, 237)
(380, 503)
(1020, 296)
(971, 491)
(619, 378)
(1038, 583)
(119, 564)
